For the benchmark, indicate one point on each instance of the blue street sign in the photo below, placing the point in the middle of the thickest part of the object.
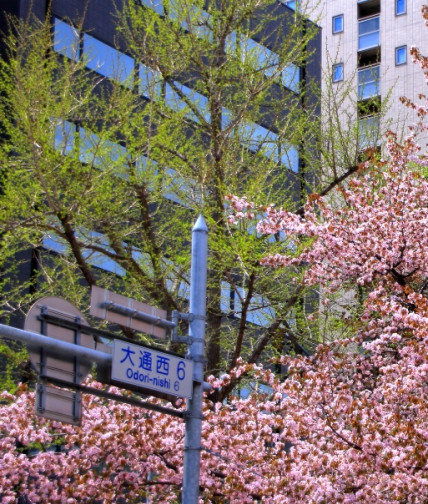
(151, 369)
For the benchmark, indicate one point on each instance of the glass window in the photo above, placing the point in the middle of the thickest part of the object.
(98, 259)
(369, 131)
(89, 147)
(200, 101)
(400, 7)
(259, 56)
(64, 137)
(226, 117)
(174, 101)
(401, 55)
(200, 21)
(259, 312)
(192, 18)
(368, 33)
(66, 40)
(107, 60)
(150, 82)
(338, 72)
(292, 4)
(178, 189)
(155, 5)
(338, 24)
(262, 58)
(231, 43)
(291, 77)
(368, 82)
(52, 241)
(173, 186)
(257, 138)
(102, 153)
(289, 157)
(146, 168)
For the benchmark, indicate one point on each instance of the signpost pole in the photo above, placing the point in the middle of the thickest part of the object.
(198, 286)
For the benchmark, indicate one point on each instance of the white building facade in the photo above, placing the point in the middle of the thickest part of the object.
(366, 50)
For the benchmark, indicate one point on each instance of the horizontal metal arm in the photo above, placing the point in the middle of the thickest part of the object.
(145, 317)
(62, 349)
(57, 348)
(114, 397)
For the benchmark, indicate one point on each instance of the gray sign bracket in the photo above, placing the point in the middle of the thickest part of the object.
(188, 317)
(138, 315)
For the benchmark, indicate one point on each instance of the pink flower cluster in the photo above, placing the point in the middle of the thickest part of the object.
(348, 426)
(343, 428)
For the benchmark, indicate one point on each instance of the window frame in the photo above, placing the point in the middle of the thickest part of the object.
(403, 10)
(333, 76)
(333, 20)
(397, 49)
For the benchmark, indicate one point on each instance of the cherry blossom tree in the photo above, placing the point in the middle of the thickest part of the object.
(356, 412)
(347, 425)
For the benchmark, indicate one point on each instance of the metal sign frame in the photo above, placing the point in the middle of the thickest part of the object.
(65, 350)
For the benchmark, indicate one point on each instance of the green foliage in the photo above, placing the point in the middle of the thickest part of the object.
(14, 365)
(113, 181)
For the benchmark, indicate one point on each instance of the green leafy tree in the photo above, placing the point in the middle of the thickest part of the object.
(102, 178)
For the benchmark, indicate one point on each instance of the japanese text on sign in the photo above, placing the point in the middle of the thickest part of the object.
(151, 369)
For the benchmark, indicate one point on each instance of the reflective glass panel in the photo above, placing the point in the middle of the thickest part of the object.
(368, 82)
(150, 82)
(177, 103)
(107, 60)
(291, 77)
(66, 40)
(368, 31)
(155, 5)
(400, 7)
(338, 24)
(338, 72)
(401, 55)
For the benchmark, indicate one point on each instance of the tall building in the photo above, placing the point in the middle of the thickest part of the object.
(261, 69)
(366, 50)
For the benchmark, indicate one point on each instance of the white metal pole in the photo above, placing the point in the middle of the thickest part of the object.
(198, 288)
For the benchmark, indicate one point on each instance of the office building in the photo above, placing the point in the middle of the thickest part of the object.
(256, 121)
